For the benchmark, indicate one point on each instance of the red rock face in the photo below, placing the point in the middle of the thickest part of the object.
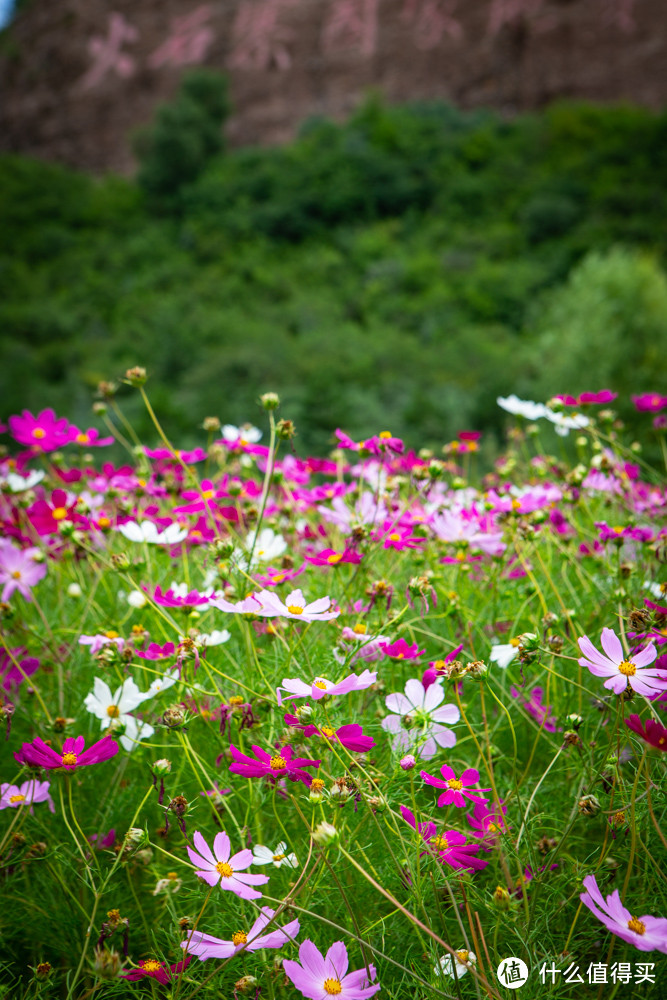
(77, 76)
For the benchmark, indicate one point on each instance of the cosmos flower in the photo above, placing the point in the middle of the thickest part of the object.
(278, 858)
(321, 686)
(319, 977)
(295, 607)
(456, 789)
(178, 596)
(487, 823)
(279, 764)
(29, 793)
(350, 736)
(148, 532)
(38, 754)
(417, 724)
(151, 968)
(96, 642)
(649, 402)
(534, 707)
(522, 407)
(646, 933)
(449, 846)
(206, 946)
(504, 652)
(18, 570)
(621, 670)
(15, 668)
(456, 966)
(45, 432)
(650, 731)
(114, 709)
(216, 866)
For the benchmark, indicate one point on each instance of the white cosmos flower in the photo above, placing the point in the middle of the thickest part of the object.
(564, 423)
(18, 484)
(114, 709)
(147, 531)
(241, 435)
(136, 598)
(417, 725)
(445, 966)
(162, 683)
(263, 856)
(215, 638)
(265, 546)
(504, 653)
(522, 407)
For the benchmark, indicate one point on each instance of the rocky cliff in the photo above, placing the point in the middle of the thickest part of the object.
(77, 76)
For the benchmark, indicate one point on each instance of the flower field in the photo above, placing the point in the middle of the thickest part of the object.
(382, 722)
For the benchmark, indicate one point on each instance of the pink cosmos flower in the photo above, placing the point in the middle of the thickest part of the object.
(87, 439)
(247, 606)
(450, 846)
(321, 686)
(206, 946)
(329, 557)
(319, 978)
(97, 642)
(200, 500)
(620, 670)
(350, 736)
(156, 652)
(38, 754)
(456, 789)
(368, 647)
(417, 725)
(29, 793)
(46, 515)
(216, 866)
(178, 596)
(487, 823)
(649, 402)
(295, 606)
(280, 764)
(396, 537)
(650, 731)
(401, 650)
(12, 676)
(18, 570)
(645, 933)
(535, 708)
(45, 432)
(156, 970)
(438, 668)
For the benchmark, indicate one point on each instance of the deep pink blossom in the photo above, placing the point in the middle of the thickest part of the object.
(646, 933)
(279, 764)
(46, 516)
(38, 754)
(456, 790)
(535, 708)
(88, 439)
(438, 668)
(217, 867)
(487, 822)
(329, 557)
(153, 969)
(649, 402)
(172, 599)
(650, 731)
(45, 432)
(449, 846)
(350, 736)
(621, 670)
(13, 675)
(200, 500)
(156, 652)
(319, 977)
(401, 650)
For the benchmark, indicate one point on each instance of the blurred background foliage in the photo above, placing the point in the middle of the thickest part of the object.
(397, 271)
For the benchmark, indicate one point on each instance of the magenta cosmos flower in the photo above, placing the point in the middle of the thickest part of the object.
(45, 432)
(156, 970)
(319, 978)
(280, 764)
(456, 790)
(321, 686)
(620, 670)
(38, 754)
(645, 933)
(650, 731)
(649, 402)
(350, 736)
(206, 946)
(217, 866)
(450, 846)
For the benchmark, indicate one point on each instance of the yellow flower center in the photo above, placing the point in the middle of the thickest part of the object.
(59, 513)
(322, 685)
(113, 711)
(360, 628)
(277, 763)
(16, 798)
(440, 843)
(636, 925)
(328, 731)
(111, 634)
(16, 575)
(239, 937)
(316, 785)
(207, 494)
(38, 433)
(82, 439)
(279, 857)
(334, 558)
(332, 987)
(385, 435)
(295, 609)
(516, 504)
(394, 537)
(235, 699)
(103, 522)
(172, 876)
(515, 643)
(627, 668)
(150, 965)
(224, 870)
(455, 785)
(438, 664)
(68, 758)
(493, 828)
(462, 956)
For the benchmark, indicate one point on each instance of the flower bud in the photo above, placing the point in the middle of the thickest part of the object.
(174, 717)
(120, 561)
(408, 762)
(74, 590)
(304, 713)
(246, 984)
(501, 897)
(134, 840)
(106, 963)
(211, 424)
(477, 669)
(285, 430)
(325, 834)
(162, 766)
(136, 376)
(588, 805)
(270, 400)
(43, 970)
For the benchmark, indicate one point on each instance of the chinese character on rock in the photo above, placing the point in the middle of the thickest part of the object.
(189, 41)
(431, 20)
(352, 24)
(259, 40)
(107, 55)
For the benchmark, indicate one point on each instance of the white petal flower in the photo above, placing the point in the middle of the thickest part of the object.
(18, 484)
(522, 407)
(262, 855)
(162, 683)
(503, 654)
(420, 721)
(445, 966)
(112, 710)
(147, 532)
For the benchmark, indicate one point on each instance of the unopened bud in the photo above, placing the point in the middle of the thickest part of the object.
(74, 590)
(106, 963)
(211, 424)
(325, 834)
(270, 400)
(246, 984)
(136, 376)
(408, 762)
(588, 805)
(304, 713)
(162, 766)
(43, 970)
(120, 561)
(174, 717)
(501, 897)
(285, 429)
(134, 840)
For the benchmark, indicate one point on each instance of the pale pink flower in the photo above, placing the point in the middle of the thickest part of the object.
(216, 866)
(320, 687)
(295, 606)
(621, 670)
(646, 933)
(206, 946)
(417, 725)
